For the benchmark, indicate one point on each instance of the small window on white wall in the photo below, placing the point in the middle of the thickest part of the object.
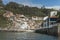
(53, 13)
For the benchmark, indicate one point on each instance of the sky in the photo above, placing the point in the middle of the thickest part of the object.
(37, 3)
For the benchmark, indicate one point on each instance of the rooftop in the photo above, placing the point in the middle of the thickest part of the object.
(54, 17)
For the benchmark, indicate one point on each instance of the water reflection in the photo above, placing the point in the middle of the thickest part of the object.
(24, 36)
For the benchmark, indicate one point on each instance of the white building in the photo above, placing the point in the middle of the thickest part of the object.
(37, 18)
(53, 13)
(50, 21)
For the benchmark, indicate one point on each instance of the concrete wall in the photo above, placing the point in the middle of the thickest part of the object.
(49, 31)
(59, 29)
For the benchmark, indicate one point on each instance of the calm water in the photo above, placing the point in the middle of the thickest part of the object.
(25, 36)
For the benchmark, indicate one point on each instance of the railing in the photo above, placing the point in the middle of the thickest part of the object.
(50, 26)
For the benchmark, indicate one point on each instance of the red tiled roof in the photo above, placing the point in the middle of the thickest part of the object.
(54, 17)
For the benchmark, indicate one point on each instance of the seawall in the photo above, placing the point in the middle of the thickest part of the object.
(59, 29)
(50, 31)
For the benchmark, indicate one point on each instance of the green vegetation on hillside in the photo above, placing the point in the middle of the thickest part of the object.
(26, 10)
(59, 14)
(3, 22)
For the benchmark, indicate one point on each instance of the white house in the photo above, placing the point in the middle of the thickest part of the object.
(53, 13)
(37, 18)
(50, 21)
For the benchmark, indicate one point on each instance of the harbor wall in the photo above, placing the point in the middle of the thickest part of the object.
(49, 31)
(59, 29)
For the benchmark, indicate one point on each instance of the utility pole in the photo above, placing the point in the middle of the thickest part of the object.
(49, 19)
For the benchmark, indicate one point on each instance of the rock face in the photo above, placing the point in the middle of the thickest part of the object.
(24, 26)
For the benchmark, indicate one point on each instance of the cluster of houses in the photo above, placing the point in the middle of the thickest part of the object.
(20, 21)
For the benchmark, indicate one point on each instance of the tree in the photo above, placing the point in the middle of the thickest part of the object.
(26, 10)
(43, 7)
(58, 14)
(12, 5)
(1, 3)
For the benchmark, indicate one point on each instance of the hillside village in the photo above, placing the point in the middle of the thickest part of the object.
(14, 16)
(21, 22)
